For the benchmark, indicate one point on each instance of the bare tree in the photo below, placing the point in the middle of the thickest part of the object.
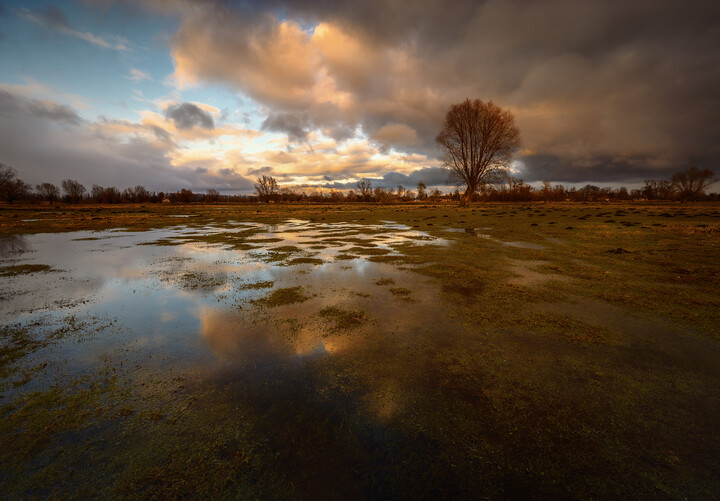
(16, 189)
(658, 190)
(137, 194)
(48, 191)
(422, 191)
(74, 191)
(478, 139)
(12, 189)
(435, 195)
(212, 196)
(364, 186)
(691, 183)
(266, 187)
(7, 174)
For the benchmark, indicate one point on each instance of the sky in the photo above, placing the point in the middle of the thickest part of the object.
(319, 94)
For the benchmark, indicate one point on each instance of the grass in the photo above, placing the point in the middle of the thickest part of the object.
(343, 319)
(24, 269)
(305, 260)
(603, 385)
(198, 280)
(258, 285)
(284, 296)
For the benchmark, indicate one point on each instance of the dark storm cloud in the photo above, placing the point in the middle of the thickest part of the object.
(188, 115)
(608, 169)
(54, 111)
(11, 104)
(431, 176)
(294, 125)
(267, 170)
(610, 90)
(161, 133)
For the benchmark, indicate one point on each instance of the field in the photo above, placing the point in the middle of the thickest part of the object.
(360, 351)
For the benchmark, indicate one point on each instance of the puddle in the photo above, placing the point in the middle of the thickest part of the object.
(524, 245)
(12, 244)
(520, 244)
(256, 354)
(196, 299)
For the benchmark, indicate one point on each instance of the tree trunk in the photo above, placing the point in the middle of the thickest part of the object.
(467, 197)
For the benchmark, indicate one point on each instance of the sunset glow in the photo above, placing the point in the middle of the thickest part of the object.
(205, 95)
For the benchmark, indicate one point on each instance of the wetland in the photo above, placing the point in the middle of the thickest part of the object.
(360, 351)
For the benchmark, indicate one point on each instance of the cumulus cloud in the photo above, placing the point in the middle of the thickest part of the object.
(260, 171)
(296, 126)
(270, 58)
(12, 105)
(188, 115)
(607, 90)
(399, 135)
(47, 142)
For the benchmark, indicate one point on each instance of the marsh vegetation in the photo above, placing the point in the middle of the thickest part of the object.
(320, 351)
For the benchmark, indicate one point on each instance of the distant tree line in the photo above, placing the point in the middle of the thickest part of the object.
(686, 185)
(689, 184)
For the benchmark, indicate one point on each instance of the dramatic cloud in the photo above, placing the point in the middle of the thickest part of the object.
(607, 90)
(48, 142)
(396, 135)
(296, 126)
(325, 93)
(12, 106)
(188, 115)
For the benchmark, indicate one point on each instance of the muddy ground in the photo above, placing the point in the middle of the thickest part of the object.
(360, 351)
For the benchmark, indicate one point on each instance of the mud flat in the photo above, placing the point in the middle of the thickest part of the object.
(353, 351)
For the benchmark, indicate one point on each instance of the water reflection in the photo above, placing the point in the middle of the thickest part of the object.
(13, 244)
(195, 301)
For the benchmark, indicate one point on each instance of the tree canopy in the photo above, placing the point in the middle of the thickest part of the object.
(478, 139)
(691, 183)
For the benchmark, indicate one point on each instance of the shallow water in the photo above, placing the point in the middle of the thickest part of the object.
(196, 304)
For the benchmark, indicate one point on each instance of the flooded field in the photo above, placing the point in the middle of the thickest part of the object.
(503, 351)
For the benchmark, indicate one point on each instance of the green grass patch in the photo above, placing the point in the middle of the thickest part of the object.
(25, 269)
(305, 260)
(258, 285)
(284, 296)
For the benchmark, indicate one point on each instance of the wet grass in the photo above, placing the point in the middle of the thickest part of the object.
(305, 260)
(24, 269)
(343, 319)
(258, 285)
(345, 257)
(199, 280)
(284, 296)
(603, 385)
